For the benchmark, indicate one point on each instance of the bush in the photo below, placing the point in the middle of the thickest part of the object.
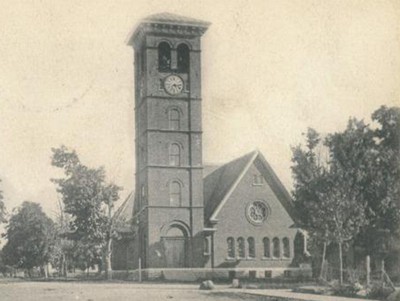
(346, 290)
(379, 291)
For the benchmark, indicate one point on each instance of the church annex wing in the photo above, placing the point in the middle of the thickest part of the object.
(222, 182)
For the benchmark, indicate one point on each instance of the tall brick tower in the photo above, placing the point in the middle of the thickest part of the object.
(169, 206)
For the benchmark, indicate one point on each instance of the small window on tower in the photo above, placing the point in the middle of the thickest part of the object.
(174, 155)
(175, 194)
(183, 58)
(174, 119)
(164, 57)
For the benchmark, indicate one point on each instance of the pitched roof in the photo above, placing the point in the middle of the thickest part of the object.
(220, 184)
(124, 214)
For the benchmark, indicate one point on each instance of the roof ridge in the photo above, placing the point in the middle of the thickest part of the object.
(253, 156)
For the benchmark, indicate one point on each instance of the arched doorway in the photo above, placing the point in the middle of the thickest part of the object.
(175, 247)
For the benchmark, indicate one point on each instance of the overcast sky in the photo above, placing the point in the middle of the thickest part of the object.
(270, 70)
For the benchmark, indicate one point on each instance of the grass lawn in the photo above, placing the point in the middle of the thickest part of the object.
(98, 291)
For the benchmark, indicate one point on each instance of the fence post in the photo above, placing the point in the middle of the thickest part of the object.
(368, 267)
(140, 269)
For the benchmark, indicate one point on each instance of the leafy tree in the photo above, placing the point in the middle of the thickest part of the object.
(3, 212)
(385, 204)
(310, 185)
(383, 187)
(30, 236)
(89, 200)
(357, 190)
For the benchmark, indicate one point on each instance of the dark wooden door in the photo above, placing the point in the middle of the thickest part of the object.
(175, 252)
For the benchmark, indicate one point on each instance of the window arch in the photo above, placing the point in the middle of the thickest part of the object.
(231, 247)
(174, 154)
(252, 247)
(164, 57)
(267, 250)
(241, 247)
(286, 247)
(183, 58)
(174, 119)
(175, 194)
(276, 247)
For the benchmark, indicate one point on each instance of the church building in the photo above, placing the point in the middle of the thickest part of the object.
(235, 219)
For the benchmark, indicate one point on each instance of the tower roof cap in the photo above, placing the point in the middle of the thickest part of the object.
(168, 23)
(168, 18)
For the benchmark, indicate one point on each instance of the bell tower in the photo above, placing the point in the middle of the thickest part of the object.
(169, 207)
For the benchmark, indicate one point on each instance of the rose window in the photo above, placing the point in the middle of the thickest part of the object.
(257, 212)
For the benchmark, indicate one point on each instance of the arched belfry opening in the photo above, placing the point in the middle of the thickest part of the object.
(164, 57)
(183, 58)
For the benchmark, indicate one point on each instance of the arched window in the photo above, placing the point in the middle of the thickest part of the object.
(276, 247)
(286, 247)
(174, 119)
(175, 194)
(206, 246)
(267, 251)
(231, 247)
(252, 247)
(241, 247)
(183, 58)
(174, 155)
(164, 57)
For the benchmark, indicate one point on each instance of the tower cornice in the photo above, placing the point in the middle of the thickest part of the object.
(168, 24)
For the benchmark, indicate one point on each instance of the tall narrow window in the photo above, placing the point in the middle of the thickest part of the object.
(174, 154)
(183, 58)
(276, 247)
(164, 57)
(241, 247)
(174, 119)
(175, 194)
(231, 247)
(252, 247)
(206, 246)
(267, 251)
(286, 247)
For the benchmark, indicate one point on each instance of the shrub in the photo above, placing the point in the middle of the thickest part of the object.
(379, 291)
(346, 290)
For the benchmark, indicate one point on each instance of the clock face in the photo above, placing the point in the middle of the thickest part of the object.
(173, 84)
(257, 212)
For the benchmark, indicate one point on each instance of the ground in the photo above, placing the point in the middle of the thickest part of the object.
(99, 291)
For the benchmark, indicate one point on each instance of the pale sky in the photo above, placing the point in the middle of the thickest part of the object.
(271, 68)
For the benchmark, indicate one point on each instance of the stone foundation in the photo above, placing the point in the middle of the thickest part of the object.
(195, 275)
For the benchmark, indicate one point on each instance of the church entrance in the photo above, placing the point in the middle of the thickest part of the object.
(175, 248)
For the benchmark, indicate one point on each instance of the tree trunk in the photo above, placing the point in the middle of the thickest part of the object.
(107, 257)
(321, 273)
(340, 264)
(107, 260)
(45, 271)
(65, 266)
